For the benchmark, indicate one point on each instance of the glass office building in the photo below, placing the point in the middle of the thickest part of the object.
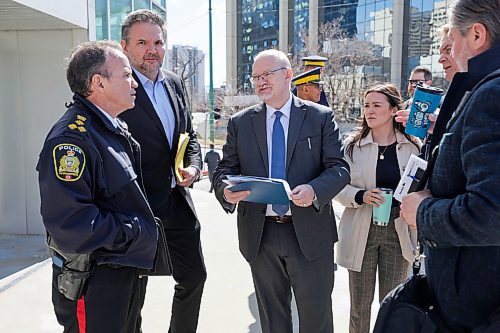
(258, 24)
(369, 21)
(109, 15)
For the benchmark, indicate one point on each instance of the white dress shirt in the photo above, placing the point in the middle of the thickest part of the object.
(158, 96)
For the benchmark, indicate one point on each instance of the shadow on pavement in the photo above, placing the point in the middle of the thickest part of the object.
(20, 251)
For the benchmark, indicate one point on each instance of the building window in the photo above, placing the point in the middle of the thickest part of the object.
(142, 4)
(119, 9)
(101, 20)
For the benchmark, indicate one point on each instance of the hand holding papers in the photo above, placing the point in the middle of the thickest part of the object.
(411, 176)
(263, 190)
(179, 157)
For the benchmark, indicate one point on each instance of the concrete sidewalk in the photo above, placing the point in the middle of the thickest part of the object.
(228, 304)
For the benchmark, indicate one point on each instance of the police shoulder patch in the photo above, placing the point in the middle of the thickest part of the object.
(69, 161)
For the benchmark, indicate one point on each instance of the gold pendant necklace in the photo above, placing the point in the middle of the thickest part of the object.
(381, 154)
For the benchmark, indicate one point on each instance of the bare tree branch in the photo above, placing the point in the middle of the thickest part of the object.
(344, 73)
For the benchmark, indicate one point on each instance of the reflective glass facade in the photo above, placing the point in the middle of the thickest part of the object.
(109, 19)
(426, 17)
(300, 23)
(258, 21)
(368, 21)
(340, 9)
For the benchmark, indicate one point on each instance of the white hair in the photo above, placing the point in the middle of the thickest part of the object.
(277, 55)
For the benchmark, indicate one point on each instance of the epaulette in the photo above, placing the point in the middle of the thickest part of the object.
(78, 125)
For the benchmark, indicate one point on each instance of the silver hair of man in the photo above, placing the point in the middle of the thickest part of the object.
(464, 13)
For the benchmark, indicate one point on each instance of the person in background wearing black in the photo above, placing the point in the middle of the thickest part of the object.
(212, 158)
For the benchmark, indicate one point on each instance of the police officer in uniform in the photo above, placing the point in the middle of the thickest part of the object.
(312, 62)
(309, 85)
(99, 224)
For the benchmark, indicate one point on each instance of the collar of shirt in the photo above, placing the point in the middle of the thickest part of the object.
(285, 109)
(145, 81)
(111, 119)
(161, 103)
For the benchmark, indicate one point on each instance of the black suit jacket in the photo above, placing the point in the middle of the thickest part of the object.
(319, 164)
(158, 156)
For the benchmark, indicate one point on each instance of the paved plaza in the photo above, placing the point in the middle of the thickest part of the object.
(228, 305)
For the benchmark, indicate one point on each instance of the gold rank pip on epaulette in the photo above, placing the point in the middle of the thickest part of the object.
(78, 124)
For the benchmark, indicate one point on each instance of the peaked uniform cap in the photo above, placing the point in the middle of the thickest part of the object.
(314, 60)
(314, 76)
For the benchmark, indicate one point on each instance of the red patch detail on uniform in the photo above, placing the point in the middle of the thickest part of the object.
(80, 315)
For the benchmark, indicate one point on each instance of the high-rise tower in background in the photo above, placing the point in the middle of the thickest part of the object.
(189, 63)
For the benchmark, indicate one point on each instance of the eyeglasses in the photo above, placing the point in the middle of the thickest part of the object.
(319, 86)
(416, 82)
(256, 78)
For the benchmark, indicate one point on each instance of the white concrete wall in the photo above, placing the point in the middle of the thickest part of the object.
(66, 10)
(33, 91)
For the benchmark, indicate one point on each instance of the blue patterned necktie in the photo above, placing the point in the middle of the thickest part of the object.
(278, 169)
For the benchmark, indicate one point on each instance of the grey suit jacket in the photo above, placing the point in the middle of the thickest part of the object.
(319, 164)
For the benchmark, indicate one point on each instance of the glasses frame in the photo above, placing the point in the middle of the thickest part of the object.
(416, 82)
(256, 78)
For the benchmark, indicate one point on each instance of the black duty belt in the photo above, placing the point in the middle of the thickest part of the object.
(277, 219)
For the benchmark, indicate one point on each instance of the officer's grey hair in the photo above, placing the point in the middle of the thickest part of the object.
(278, 55)
(87, 60)
(142, 16)
(464, 13)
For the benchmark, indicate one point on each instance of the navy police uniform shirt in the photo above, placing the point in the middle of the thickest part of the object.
(91, 193)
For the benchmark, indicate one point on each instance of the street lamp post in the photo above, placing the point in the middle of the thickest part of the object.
(211, 79)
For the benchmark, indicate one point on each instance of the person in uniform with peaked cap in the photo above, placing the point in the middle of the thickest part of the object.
(309, 85)
(312, 62)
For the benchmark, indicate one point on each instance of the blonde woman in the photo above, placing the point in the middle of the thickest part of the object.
(377, 153)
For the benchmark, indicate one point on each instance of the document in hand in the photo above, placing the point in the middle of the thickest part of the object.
(179, 157)
(263, 190)
(411, 176)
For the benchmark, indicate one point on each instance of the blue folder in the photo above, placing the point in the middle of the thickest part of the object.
(263, 191)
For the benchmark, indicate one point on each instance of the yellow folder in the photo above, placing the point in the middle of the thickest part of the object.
(179, 157)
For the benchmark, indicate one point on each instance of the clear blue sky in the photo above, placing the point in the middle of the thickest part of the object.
(187, 24)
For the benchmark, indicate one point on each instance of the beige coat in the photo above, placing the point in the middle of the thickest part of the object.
(356, 219)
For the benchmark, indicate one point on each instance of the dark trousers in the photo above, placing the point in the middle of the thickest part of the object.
(280, 267)
(104, 307)
(211, 178)
(182, 230)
